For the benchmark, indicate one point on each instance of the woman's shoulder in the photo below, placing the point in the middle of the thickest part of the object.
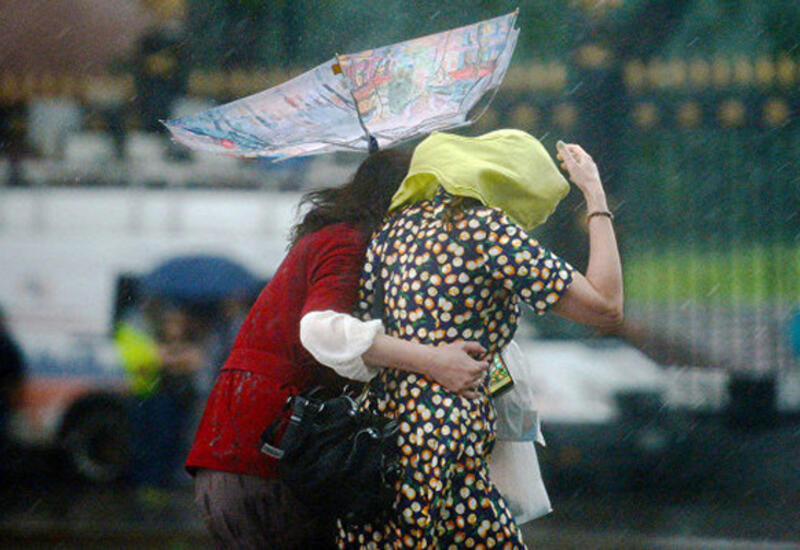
(332, 239)
(339, 238)
(338, 233)
(341, 230)
(483, 215)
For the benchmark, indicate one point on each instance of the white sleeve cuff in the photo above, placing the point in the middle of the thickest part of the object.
(338, 340)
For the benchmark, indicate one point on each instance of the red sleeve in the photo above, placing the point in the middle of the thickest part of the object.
(334, 270)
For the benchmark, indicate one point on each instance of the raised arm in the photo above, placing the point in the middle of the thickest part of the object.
(597, 298)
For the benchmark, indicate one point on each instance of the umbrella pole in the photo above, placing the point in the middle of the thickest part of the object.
(371, 141)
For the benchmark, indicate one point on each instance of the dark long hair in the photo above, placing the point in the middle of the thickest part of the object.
(363, 201)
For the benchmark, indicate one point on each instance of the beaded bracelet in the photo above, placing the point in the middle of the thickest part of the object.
(605, 213)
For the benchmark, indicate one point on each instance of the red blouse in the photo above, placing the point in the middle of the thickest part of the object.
(320, 272)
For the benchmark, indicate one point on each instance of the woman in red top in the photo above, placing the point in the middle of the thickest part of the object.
(243, 502)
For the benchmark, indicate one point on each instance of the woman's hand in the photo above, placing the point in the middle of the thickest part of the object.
(455, 368)
(598, 298)
(583, 172)
(452, 365)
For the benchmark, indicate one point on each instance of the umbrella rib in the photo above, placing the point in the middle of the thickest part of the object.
(205, 133)
(261, 142)
(248, 136)
(344, 98)
(228, 127)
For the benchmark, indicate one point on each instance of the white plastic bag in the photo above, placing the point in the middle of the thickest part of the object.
(517, 420)
(514, 469)
(513, 465)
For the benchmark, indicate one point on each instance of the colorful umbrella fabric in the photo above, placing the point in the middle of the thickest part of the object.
(362, 101)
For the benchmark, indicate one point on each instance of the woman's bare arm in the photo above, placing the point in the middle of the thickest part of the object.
(452, 365)
(348, 345)
(596, 299)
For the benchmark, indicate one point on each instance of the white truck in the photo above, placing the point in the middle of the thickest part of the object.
(62, 252)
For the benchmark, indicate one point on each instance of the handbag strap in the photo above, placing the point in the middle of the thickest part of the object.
(269, 446)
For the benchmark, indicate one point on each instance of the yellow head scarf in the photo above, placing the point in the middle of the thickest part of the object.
(505, 169)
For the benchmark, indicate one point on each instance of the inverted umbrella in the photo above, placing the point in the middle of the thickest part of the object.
(362, 101)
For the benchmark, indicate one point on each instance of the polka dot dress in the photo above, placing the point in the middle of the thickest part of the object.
(447, 281)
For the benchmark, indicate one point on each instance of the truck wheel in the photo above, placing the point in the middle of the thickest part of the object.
(96, 439)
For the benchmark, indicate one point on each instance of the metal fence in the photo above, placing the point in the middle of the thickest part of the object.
(706, 182)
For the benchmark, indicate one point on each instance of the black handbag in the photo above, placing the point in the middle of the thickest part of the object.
(336, 459)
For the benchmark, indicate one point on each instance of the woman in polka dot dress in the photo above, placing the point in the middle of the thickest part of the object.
(452, 268)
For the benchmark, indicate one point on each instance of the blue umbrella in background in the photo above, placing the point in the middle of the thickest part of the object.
(200, 278)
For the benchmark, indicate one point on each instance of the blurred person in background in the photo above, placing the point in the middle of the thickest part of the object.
(12, 372)
(162, 417)
(454, 262)
(237, 489)
(229, 315)
(183, 350)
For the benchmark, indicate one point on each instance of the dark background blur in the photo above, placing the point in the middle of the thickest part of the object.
(688, 108)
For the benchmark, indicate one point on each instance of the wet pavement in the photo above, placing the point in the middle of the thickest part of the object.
(106, 518)
(66, 516)
(750, 501)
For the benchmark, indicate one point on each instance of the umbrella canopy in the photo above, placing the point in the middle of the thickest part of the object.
(361, 101)
(199, 278)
